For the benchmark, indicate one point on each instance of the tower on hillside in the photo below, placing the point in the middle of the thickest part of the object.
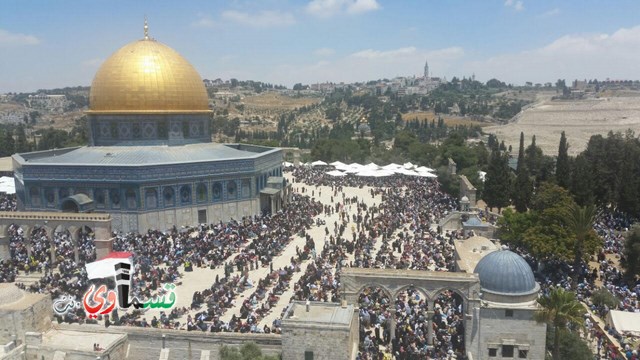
(426, 69)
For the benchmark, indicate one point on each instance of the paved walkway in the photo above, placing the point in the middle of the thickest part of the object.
(201, 278)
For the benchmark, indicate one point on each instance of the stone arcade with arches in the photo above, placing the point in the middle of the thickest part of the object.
(498, 302)
(75, 224)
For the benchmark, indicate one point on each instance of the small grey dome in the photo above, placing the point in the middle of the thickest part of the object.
(506, 273)
(474, 221)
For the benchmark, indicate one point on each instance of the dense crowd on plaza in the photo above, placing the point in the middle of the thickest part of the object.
(403, 223)
(8, 202)
(398, 233)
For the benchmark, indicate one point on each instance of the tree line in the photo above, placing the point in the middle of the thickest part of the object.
(555, 198)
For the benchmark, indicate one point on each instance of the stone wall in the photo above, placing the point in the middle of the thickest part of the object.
(31, 313)
(519, 330)
(187, 216)
(326, 343)
(146, 343)
(39, 350)
(467, 189)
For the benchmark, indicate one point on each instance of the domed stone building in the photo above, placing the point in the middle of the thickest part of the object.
(151, 162)
(508, 302)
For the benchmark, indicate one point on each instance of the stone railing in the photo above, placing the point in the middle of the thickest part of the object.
(53, 216)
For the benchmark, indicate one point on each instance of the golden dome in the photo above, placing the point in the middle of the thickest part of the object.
(147, 77)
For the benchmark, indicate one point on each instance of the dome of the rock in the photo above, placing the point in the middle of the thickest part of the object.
(147, 77)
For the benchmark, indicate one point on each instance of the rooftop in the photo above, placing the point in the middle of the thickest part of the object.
(320, 313)
(6, 165)
(80, 341)
(470, 251)
(143, 155)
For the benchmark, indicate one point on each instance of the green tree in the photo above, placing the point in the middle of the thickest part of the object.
(403, 140)
(630, 260)
(581, 222)
(21, 140)
(513, 225)
(7, 145)
(522, 188)
(563, 169)
(603, 297)
(572, 346)
(497, 185)
(551, 234)
(534, 158)
(560, 310)
(248, 351)
(582, 181)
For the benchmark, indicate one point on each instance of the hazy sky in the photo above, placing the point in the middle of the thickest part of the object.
(46, 44)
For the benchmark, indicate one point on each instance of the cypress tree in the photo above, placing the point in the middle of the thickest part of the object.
(497, 186)
(582, 184)
(563, 170)
(21, 140)
(7, 145)
(522, 187)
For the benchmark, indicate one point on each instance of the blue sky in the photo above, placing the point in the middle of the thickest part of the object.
(46, 44)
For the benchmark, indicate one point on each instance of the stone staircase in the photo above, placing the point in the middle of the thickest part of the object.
(31, 278)
(28, 279)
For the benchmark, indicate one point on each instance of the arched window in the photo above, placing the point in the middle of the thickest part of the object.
(34, 195)
(246, 188)
(216, 191)
(231, 190)
(201, 192)
(114, 196)
(151, 198)
(98, 197)
(63, 193)
(50, 197)
(169, 196)
(130, 197)
(185, 194)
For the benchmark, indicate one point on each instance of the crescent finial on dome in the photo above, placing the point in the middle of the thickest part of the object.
(146, 28)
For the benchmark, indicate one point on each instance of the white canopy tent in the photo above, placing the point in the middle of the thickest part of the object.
(374, 173)
(319, 163)
(626, 323)
(7, 185)
(427, 174)
(337, 164)
(424, 169)
(405, 172)
(371, 166)
(287, 164)
(392, 166)
(336, 173)
(408, 166)
(352, 168)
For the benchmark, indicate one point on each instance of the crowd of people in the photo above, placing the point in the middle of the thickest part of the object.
(8, 202)
(403, 225)
(397, 233)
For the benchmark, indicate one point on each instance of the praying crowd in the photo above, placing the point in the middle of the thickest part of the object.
(398, 233)
(8, 202)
